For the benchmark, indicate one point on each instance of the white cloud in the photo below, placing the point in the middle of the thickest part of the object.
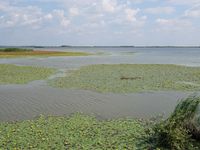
(21, 16)
(48, 16)
(184, 2)
(160, 10)
(109, 5)
(60, 15)
(131, 14)
(99, 17)
(172, 22)
(74, 11)
(194, 12)
(29, 16)
(173, 25)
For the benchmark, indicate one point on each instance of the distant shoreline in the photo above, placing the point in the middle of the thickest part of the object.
(69, 46)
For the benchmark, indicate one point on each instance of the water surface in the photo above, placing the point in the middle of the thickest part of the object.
(19, 102)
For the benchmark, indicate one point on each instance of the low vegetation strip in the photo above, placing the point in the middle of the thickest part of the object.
(12, 74)
(17, 52)
(127, 78)
(75, 132)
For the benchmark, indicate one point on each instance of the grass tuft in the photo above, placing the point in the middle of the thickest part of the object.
(177, 132)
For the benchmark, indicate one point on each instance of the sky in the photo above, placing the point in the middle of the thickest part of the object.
(100, 22)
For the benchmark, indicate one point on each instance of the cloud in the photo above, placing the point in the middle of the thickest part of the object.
(109, 5)
(184, 2)
(194, 12)
(173, 25)
(60, 16)
(160, 10)
(29, 16)
(21, 16)
(74, 11)
(92, 18)
(131, 14)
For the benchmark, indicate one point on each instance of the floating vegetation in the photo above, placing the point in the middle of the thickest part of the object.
(75, 132)
(127, 78)
(17, 52)
(12, 74)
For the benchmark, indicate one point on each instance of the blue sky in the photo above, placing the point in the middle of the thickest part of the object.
(100, 22)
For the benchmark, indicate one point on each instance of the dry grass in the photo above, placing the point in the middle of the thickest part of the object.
(39, 54)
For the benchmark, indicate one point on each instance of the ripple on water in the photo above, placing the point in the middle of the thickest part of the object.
(25, 102)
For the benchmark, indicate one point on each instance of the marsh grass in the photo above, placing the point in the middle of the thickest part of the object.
(75, 132)
(127, 78)
(17, 52)
(12, 74)
(178, 132)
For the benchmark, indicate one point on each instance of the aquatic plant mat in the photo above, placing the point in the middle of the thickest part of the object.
(12, 74)
(16, 52)
(127, 78)
(75, 132)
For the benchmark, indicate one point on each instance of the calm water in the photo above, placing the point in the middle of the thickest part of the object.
(19, 102)
(181, 56)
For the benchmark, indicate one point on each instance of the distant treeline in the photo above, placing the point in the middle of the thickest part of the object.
(14, 50)
(63, 46)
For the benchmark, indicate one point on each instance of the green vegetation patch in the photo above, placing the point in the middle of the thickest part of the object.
(182, 129)
(76, 132)
(127, 78)
(18, 52)
(12, 74)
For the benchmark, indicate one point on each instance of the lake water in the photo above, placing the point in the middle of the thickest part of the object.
(180, 56)
(19, 102)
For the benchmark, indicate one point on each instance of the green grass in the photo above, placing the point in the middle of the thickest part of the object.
(12, 74)
(75, 132)
(128, 78)
(182, 129)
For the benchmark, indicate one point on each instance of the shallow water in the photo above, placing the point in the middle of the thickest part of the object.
(19, 102)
